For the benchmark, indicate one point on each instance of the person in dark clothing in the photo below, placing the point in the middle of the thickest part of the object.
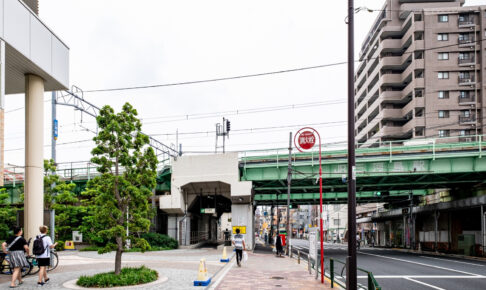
(278, 245)
(16, 247)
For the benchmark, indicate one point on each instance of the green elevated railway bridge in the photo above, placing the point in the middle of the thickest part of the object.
(384, 174)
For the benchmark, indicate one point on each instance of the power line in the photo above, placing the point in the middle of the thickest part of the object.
(247, 75)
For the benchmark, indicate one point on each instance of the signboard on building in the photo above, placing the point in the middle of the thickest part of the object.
(208, 210)
(242, 229)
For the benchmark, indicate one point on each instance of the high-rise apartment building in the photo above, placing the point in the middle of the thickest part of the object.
(421, 73)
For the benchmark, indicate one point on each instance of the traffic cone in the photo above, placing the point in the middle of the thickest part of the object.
(202, 276)
(225, 257)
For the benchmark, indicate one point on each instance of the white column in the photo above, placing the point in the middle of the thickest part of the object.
(34, 155)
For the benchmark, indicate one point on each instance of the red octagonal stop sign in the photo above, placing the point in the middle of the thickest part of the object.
(306, 140)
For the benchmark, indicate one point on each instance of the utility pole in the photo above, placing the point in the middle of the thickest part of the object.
(54, 133)
(289, 180)
(351, 269)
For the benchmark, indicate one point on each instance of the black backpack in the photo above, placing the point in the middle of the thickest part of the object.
(39, 248)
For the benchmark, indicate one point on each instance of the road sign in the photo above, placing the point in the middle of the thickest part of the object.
(242, 229)
(55, 129)
(313, 244)
(208, 210)
(306, 140)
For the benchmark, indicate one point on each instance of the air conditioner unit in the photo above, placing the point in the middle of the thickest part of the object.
(77, 237)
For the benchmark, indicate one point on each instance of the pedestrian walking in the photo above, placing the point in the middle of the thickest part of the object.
(358, 241)
(16, 247)
(278, 245)
(239, 243)
(42, 250)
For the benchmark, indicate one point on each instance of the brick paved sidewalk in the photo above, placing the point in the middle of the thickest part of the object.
(266, 271)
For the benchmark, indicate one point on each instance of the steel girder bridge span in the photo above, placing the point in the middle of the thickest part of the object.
(384, 174)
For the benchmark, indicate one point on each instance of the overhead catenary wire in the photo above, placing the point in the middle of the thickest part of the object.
(277, 72)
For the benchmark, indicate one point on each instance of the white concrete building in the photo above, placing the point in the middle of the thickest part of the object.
(32, 60)
(202, 189)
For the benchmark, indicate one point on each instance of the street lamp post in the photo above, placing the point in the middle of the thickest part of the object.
(351, 269)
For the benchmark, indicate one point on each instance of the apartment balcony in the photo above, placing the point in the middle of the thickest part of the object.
(390, 131)
(467, 61)
(415, 122)
(468, 100)
(463, 120)
(466, 41)
(466, 22)
(391, 114)
(467, 138)
(466, 80)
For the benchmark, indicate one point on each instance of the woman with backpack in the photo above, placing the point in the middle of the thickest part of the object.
(42, 251)
(16, 246)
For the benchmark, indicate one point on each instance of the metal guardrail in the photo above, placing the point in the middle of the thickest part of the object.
(372, 284)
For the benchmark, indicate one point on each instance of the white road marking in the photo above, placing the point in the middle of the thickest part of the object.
(423, 277)
(422, 264)
(449, 260)
(222, 275)
(425, 284)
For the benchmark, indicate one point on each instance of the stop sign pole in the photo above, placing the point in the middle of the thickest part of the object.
(304, 140)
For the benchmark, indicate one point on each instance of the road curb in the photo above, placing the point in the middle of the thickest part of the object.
(471, 258)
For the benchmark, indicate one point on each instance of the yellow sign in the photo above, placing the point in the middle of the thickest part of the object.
(69, 245)
(242, 229)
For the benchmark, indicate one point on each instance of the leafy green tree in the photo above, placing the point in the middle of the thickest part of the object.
(120, 195)
(8, 215)
(60, 196)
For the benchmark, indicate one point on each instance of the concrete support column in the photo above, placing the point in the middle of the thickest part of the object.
(483, 231)
(34, 155)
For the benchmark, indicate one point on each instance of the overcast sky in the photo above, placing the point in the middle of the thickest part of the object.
(132, 43)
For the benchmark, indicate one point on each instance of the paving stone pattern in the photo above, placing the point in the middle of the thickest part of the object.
(180, 266)
(265, 271)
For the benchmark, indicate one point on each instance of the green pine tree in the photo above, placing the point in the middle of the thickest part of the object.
(119, 197)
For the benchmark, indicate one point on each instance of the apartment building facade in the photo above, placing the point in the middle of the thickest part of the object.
(421, 73)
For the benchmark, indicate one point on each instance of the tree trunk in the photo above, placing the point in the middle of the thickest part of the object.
(118, 255)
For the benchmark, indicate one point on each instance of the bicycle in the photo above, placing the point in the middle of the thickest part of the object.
(35, 266)
(6, 269)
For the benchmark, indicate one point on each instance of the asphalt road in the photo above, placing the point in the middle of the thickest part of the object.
(400, 270)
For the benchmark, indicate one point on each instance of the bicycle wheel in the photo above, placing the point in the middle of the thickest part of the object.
(54, 262)
(5, 267)
(26, 270)
(34, 267)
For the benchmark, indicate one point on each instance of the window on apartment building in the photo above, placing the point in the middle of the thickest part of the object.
(417, 17)
(464, 133)
(336, 222)
(443, 75)
(442, 37)
(444, 18)
(419, 93)
(466, 114)
(419, 73)
(418, 55)
(464, 75)
(463, 94)
(443, 55)
(444, 133)
(443, 114)
(443, 94)
(419, 35)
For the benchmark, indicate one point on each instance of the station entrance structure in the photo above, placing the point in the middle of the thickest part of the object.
(202, 189)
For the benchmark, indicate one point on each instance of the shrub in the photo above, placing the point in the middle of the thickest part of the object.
(60, 246)
(159, 240)
(127, 277)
